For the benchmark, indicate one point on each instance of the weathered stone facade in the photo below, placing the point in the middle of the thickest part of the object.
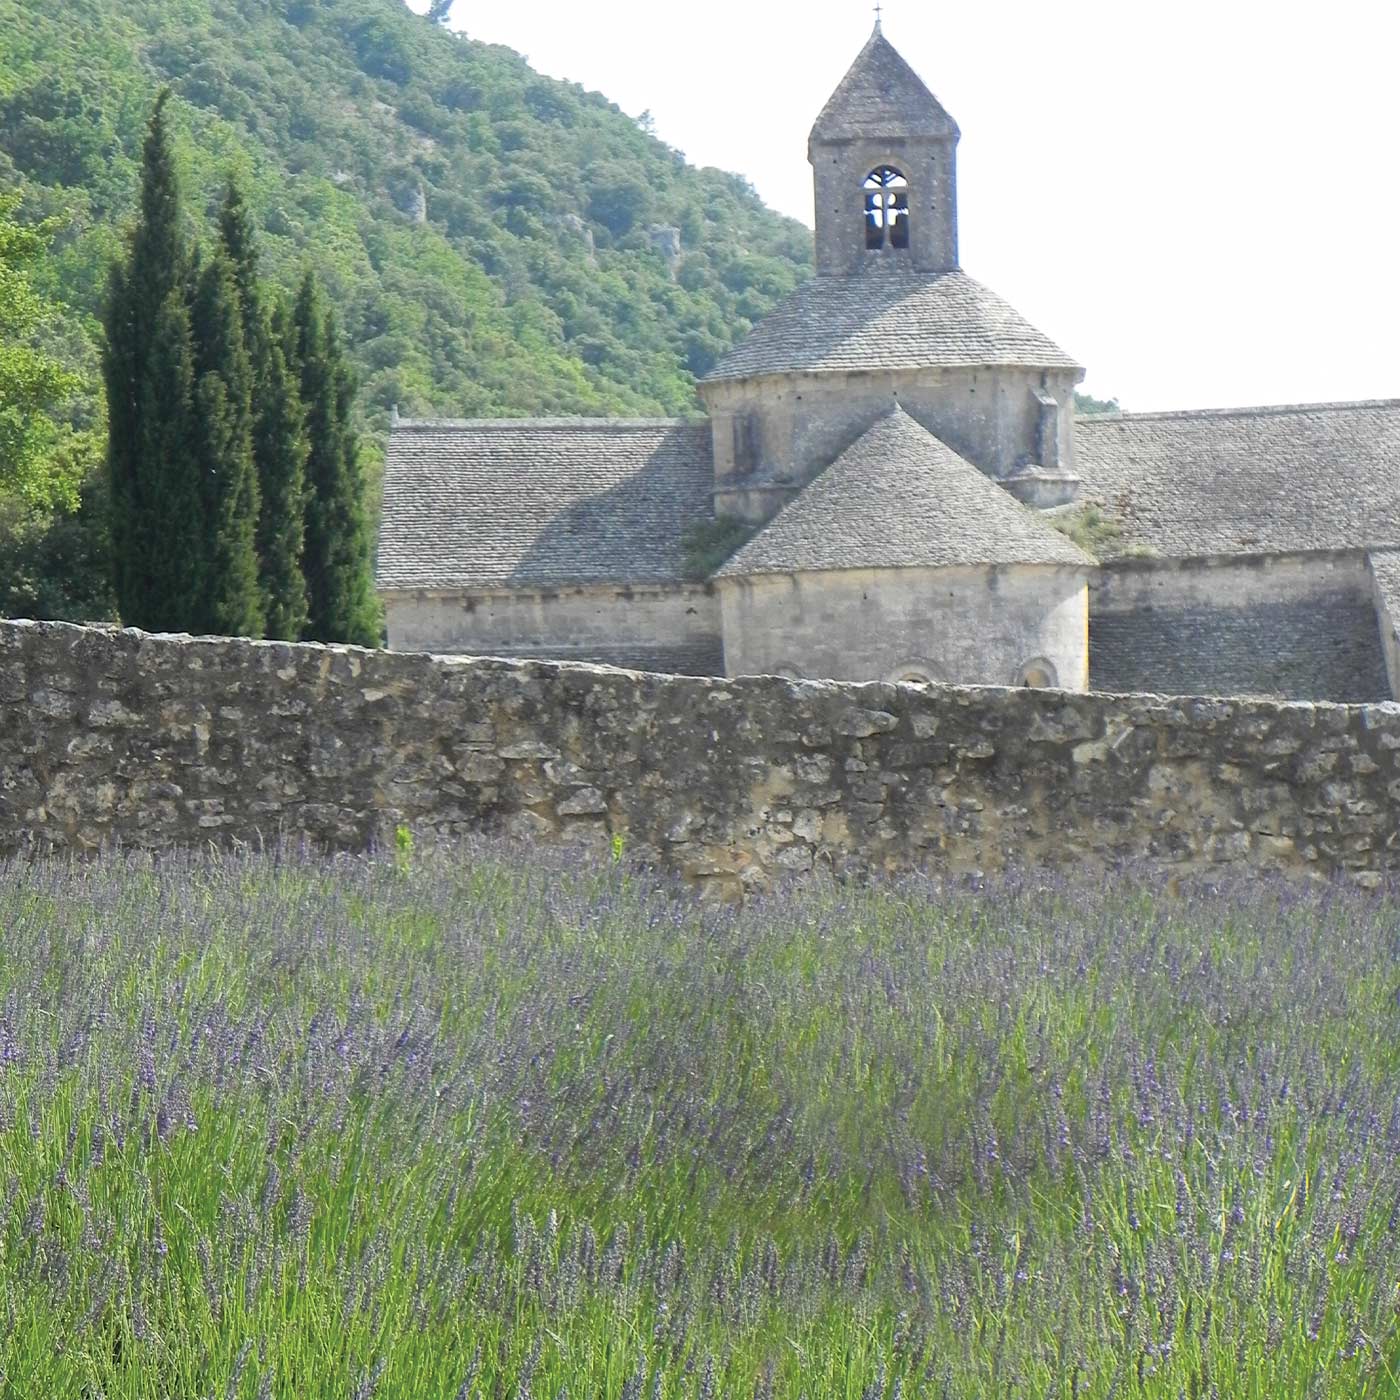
(797, 424)
(124, 738)
(650, 627)
(974, 624)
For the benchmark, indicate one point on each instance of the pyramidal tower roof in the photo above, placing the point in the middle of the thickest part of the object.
(880, 97)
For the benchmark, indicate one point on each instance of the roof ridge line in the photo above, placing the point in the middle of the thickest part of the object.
(1247, 411)
(576, 424)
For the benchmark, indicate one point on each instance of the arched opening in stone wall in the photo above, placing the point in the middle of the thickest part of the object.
(886, 208)
(910, 675)
(1039, 674)
(748, 443)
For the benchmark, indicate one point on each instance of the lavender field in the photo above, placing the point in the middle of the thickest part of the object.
(472, 1125)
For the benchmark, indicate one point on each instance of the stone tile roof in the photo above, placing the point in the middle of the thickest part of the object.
(1325, 646)
(1286, 479)
(540, 502)
(901, 498)
(886, 319)
(881, 96)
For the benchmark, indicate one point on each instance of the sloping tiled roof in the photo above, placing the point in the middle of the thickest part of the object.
(881, 96)
(1385, 573)
(1246, 481)
(901, 498)
(543, 502)
(883, 319)
(1324, 646)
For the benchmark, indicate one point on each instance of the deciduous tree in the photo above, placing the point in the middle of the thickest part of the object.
(33, 383)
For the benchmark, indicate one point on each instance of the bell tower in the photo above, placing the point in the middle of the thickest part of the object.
(890, 317)
(884, 160)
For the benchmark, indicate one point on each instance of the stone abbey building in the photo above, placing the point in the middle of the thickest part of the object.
(902, 451)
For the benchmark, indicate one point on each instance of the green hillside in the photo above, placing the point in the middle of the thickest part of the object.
(488, 236)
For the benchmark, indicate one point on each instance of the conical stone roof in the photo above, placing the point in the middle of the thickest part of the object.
(882, 97)
(900, 498)
(882, 320)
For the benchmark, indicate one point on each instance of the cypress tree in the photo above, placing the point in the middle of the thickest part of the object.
(278, 427)
(339, 583)
(157, 527)
(240, 244)
(168, 530)
(280, 448)
(231, 600)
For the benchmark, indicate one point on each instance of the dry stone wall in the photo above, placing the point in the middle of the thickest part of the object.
(118, 737)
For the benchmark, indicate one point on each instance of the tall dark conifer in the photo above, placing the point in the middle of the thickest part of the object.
(278, 427)
(240, 243)
(157, 526)
(339, 582)
(280, 447)
(232, 597)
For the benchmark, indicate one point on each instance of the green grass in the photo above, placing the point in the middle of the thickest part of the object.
(1094, 532)
(711, 542)
(463, 1123)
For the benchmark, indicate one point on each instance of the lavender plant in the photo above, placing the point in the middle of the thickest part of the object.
(476, 1126)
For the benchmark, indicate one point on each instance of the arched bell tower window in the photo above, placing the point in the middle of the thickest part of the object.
(886, 208)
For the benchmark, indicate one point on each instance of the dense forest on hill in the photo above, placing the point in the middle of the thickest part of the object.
(493, 240)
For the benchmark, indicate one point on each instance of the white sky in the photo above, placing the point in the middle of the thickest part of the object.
(1200, 201)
